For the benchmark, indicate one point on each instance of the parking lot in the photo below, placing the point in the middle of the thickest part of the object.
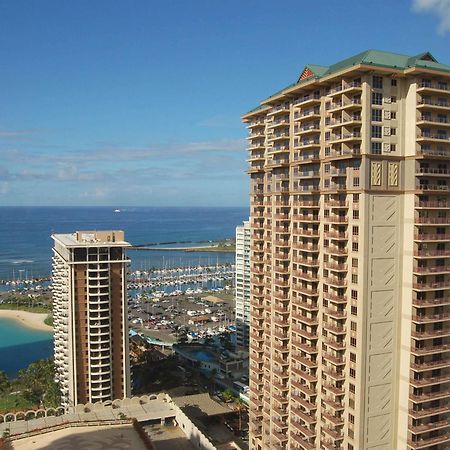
(164, 318)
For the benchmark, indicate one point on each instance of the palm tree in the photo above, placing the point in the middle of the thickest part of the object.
(228, 395)
(240, 408)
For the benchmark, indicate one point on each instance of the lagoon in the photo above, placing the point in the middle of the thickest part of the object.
(20, 346)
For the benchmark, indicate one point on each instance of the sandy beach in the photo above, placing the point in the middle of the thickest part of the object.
(27, 319)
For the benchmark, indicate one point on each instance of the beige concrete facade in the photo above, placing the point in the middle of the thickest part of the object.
(90, 316)
(350, 278)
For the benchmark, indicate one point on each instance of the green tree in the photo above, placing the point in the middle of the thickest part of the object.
(228, 395)
(37, 382)
(4, 383)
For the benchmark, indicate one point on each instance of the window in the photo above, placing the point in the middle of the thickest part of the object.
(393, 99)
(393, 147)
(354, 278)
(377, 98)
(355, 231)
(393, 131)
(393, 82)
(356, 214)
(353, 328)
(352, 373)
(355, 198)
(351, 388)
(393, 115)
(376, 148)
(377, 82)
(353, 342)
(354, 311)
(356, 182)
(354, 246)
(354, 293)
(351, 418)
(376, 115)
(376, 131)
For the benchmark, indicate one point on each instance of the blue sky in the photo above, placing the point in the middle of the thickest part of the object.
(138, 102)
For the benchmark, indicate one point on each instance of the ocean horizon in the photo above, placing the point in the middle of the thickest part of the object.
(25, 233)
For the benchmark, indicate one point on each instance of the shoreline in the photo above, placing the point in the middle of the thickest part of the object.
(27, 319)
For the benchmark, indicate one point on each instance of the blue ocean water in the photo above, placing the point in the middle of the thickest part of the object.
(20, 346)
(25, 251)
(25, 243)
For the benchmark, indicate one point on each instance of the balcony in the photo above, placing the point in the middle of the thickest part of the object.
(432, 253)
(306, 218)
(433, 220)
(335, 250)
(336, 420)
(336, 106)
(431, 171)
(307, 143)
(428, 86)
(343, 153)
(430, 381)
(345, 137)
(334, 359)
(307, 290)
(431, 365)
(303, 402)
(302, 442)
(339, 299)
(433, 153)
(430, 137)
(431, 411)
(335, 281)
(306, 99)
(428, 318)
(432, 237)
(336, 219)
(423, 286)
(429, 426)
(303, 430)
(430, 302)
(335, 329)
(431, 270)
(430, 349)
(307, 129)
(429, 396)
(310, 349)
(431, 205)
(430, 334)
(426, 443)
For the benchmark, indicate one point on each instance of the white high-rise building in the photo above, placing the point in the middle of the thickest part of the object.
(90, 316)
(243, 285)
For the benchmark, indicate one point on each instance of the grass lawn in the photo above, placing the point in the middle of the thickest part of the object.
(35, 309)
(13, 402)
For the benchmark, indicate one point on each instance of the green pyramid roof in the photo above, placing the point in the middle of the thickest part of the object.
(371, 57)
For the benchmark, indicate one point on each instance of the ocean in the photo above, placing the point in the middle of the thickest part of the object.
(20, 346)
(25, 252)
(25, 243)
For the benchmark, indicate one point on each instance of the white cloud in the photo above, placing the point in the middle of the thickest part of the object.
(439, 7)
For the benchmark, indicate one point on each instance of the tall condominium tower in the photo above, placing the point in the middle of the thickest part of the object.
(243, 285)
(90, 316)
(350, 306)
